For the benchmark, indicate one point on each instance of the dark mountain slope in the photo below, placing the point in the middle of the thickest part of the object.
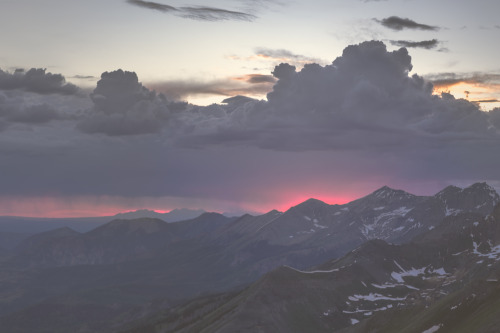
(378, 287)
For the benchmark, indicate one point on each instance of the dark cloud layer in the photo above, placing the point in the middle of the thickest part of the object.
(425, 44)
(399, 23)
(36, 80)
(362, 119)
(201, 13)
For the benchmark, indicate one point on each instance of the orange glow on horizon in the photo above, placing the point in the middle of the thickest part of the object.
(487, 95)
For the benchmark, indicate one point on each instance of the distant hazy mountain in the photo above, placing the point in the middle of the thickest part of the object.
(32, 225)
(131, 269)
(172, 216)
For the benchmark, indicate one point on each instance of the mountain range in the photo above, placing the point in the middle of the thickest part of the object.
(390, 261)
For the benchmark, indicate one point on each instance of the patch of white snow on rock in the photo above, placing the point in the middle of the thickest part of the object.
(433, 329)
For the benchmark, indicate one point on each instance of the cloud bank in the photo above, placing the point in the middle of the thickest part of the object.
(360, 122)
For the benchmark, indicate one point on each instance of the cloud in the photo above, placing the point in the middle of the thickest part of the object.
(40, 113)
(365, 99)
(84, 77)
(250, 84)
(450, 79)
(256, 78)
(425, 44)
(153, 5)
(36, 80)
(282, 55)
(359, 122)
(123, 106)
(200, 13)
(399, 23)
(214, 14)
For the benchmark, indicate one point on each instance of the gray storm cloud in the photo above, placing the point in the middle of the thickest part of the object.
(365, 117)
(365, 99)
(123, 106)
(36, 80)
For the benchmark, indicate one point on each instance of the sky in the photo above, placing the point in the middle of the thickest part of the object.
(244, 105)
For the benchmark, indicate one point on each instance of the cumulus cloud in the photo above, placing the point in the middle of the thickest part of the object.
(201, 13)
(425, 44)
(365, 98)
(398, 23)
(36, 80)
(123, 106)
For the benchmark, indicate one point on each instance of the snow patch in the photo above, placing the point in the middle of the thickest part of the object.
(476, 224)
(433, 329)
(493, 254)
(374, 297)
(452, 211)
(398, 276)
(354, 321)
(379, 208)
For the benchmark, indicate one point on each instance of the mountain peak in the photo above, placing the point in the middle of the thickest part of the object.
(385, 192)
(311, 202)
(451, 189)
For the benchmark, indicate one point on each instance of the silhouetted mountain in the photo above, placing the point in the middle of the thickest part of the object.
(117, 241)
(173, 216)
(32, 225)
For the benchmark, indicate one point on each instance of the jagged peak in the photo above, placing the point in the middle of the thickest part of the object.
(388, 192)
(447, 190)
(474, 188)
(481, 187)
(311, 202)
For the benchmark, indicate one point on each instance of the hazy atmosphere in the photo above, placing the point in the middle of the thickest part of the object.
(109, 106)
